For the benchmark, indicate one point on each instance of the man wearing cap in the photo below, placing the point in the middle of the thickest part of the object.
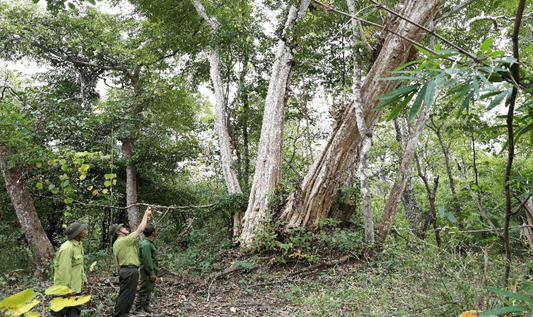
(68, 266)
(148, 258)
(125, 252)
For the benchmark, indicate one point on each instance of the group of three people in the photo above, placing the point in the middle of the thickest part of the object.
(69, 271)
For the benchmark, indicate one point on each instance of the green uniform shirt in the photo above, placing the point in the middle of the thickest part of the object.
(148, 257)
(125, 250)
(68, 266)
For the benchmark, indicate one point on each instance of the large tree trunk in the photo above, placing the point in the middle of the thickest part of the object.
(221, 118)
(365, 133)
(131, 185)
(25, 210)
(317, 193)
(268, 164)
(410, 206)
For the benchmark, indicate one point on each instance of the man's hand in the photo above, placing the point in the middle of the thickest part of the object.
(148, 211)
(153, 278)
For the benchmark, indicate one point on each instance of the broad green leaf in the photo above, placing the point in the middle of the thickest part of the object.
(39, 185)
(107, 183)
(504, 310)
(497, 53)
(451, 217)
(485, 46)
(58, 290)
(418, 102)
(59, 303)
(69, 201)
(498, 99)
(442, 211)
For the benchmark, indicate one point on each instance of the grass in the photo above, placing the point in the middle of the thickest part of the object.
(406, 279)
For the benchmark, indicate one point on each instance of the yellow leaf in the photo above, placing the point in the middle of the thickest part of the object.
(59, 303)
(471, 313)
(90, 188)
(57, 290)
(95, 192)
(32, 314)
(21, 308)
(18, 298)
(39, 165)
(104, 191)
(93, 266)
(83, 176)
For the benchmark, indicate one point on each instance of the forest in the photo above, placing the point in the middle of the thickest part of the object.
(299, 157)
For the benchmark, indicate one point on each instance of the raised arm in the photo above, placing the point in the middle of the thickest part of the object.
(142, 225)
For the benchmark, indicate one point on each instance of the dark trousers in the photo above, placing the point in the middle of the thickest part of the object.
(128, 278)
(74, 311)
(147, 286)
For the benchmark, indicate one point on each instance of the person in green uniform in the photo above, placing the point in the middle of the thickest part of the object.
(68, 266)
(148, 258)
(125, 252)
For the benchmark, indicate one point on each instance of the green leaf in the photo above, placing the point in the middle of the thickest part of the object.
(485, 46)
(51, 186)
(39, 185)
(504, 310)
(399, 91)
(418, 102)
(475, 83)
(466, 102)
(71, 5)
(400, 107)
(107, 183)
(442, 211)
(527, 49)
(527, 104)
(69, 201)
(424, 51)
(408, 64)
(400, 78)
(430, 93)
(496, 101)
(512, 295)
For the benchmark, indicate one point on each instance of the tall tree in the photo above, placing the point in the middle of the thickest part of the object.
(268, 164)
(316, 196)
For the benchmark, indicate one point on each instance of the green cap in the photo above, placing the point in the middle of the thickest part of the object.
(114, 228)
(74, 229)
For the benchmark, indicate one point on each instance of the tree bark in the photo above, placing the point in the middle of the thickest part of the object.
(221, 119)
(26, 213)
(317, 193)
(268, 164)
(391, 207)
(365, 133)
(410, 206)
(131, 185)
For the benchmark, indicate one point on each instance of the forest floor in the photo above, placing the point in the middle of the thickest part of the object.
(242, 289)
